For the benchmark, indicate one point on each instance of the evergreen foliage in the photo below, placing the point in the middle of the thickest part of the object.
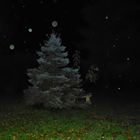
(92, 74)
(53, 83)
(76, 59)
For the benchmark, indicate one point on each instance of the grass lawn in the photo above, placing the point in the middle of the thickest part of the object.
(18, 122)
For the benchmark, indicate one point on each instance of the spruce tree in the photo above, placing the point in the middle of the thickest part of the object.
(53, 83)
(76, 59)
(92, 74)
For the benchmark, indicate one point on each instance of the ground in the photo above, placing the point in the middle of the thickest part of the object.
(104, 120)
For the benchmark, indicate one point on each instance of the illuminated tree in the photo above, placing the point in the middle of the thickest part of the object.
(53, 83)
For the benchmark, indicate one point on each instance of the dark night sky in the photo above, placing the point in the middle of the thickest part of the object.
(105, 31)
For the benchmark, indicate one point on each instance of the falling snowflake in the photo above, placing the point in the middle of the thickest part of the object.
(23, 6)
(54, 1)
(30, 30)
(106, 17)
(128, 59)
(12, 47)
(119, 88)
(41, 2)
(54, 23)
(114, 45)
(24, 42)
(4, 36)
(128, 37)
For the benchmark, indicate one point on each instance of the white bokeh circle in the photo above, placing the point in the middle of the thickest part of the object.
(12, 47)
(30, 30)
(54, 23)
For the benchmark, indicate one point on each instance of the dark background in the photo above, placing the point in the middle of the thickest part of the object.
(106, 33)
